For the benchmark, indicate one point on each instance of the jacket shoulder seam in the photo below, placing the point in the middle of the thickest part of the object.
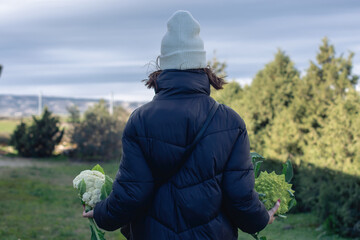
(224, 130)
(214, 132)
(194, 184)
(239, 170)
(160, 141)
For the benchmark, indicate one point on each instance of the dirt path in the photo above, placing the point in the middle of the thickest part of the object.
(21, 162)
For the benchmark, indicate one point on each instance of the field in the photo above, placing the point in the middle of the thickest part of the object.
(37, 201)
(7, 126)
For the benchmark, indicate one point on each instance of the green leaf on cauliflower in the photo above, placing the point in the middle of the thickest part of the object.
(288, 171)
(97, 167)
(257, 168)
(256, 161)
(96, 233)
(82, 188)
(291, 194)
(106, 188)
(292, 203)
(256, 157)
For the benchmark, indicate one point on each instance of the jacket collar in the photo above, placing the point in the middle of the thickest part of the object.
(174, 83)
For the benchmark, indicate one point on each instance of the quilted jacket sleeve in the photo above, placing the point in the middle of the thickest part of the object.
(241, 202)
(132, 188)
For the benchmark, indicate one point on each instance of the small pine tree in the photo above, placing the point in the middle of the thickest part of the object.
(40, 138)
(19, 139)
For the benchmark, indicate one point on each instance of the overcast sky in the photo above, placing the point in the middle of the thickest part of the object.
(86, 48)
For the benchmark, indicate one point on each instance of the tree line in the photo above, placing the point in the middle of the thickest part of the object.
(95, 136)
(314, 121)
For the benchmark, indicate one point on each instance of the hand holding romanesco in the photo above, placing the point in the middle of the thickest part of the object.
(272, 187)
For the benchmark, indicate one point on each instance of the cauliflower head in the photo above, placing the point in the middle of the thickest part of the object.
(94, 181)
(274, 187)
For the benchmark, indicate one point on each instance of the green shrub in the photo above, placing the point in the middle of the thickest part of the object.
(40, 138)
(340, 204)
(98, 135)
(332, 195)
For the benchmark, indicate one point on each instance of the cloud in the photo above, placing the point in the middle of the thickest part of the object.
(243, 81)
(48, 43)
(356, 69)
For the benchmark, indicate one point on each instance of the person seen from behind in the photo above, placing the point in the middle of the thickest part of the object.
(163, 190)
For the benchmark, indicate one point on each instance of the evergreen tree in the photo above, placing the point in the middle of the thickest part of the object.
(19, 139)
(323, 83)
(326, 110)
(98, 136)
(338, 144)
(40, 138)
(283, 139)
(271, 91)
(231, 91)
(332, 188)
(229, 94)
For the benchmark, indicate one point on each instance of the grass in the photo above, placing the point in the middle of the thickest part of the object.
(8, 125)
(40, 203)
(300, 226)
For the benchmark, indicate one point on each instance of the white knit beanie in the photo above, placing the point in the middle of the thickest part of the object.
(181, 47)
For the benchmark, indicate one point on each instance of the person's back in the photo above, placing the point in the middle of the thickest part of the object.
(212, 194)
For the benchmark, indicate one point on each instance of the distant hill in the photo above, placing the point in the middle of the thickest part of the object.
(21, 105)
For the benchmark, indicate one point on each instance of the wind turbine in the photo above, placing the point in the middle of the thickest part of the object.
(40, 104)
(111, 105)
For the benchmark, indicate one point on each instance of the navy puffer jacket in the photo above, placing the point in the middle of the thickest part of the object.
(211, 196)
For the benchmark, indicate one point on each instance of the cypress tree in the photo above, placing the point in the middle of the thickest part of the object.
(271, 92)
(330, 78)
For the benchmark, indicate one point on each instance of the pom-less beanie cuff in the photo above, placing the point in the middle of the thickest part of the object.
(183, 60)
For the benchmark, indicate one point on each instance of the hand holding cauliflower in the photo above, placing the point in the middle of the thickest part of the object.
(93, 186)
(94, 180)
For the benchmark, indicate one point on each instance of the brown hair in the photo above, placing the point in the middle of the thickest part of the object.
(215, 81)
